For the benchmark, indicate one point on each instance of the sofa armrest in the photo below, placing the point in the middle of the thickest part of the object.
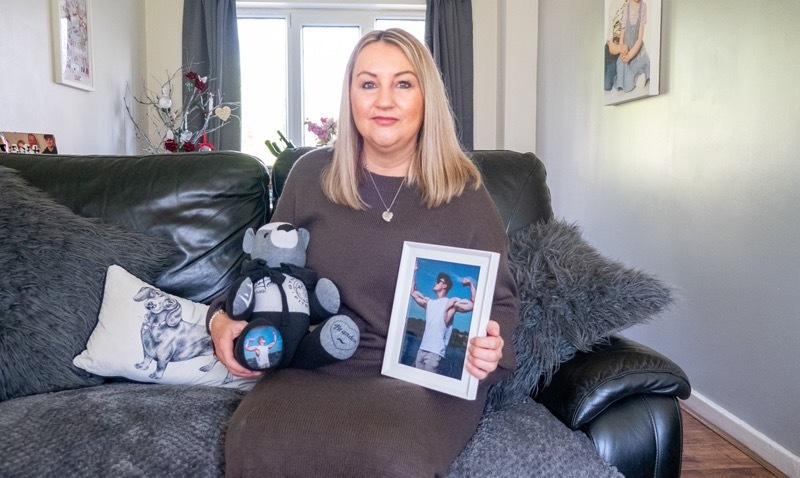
(641, 435)
(584, 386)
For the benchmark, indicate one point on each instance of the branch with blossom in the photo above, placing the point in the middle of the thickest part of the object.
(167, 128)
(325, 130)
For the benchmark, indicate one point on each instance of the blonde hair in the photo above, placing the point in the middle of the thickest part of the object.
(440, 170)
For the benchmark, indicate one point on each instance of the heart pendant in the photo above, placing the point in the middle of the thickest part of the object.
(387, 215)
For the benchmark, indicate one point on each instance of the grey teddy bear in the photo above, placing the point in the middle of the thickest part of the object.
(282, 300)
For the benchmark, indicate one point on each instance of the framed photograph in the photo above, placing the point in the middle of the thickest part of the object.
(443, 299)
(73, 63)
(27, 143)
(631, 50)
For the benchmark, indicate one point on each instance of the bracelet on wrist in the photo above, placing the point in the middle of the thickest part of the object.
(213, 316)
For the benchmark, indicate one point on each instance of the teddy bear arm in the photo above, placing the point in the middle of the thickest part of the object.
(324, 301)
(240, 301)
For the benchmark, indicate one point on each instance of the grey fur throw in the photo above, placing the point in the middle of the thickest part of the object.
(572, 298)
(54, 263)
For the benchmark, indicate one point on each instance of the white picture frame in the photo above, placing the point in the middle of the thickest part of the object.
(473, 274)
(73, 60)
(637, 77)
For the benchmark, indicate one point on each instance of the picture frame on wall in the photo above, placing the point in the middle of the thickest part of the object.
(632, 50)
(73, 61)
(442, 300)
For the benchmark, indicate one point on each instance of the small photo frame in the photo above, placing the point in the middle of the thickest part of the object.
(73, 62)
(27, 143)
(442, 300)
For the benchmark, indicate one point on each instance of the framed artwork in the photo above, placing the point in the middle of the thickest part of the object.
(27, 143)
(632, 50)
(73, 63)
(443, 299)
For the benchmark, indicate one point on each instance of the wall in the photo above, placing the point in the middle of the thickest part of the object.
(163, 40)
(698, 185)
(504, 43)
(83, 122)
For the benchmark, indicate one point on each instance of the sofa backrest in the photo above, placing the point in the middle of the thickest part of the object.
(516, 181)
(202, 202)
(283, 164)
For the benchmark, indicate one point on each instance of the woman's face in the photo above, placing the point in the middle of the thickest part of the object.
(386, 100)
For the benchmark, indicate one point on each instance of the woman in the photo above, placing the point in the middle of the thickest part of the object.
(396, 173)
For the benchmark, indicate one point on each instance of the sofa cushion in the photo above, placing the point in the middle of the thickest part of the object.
(118, 429)
(134, 313)
(526, 440)
(53, 264)
(572, 298)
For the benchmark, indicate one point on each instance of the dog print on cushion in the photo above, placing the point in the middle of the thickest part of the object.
(139, 324)
(166, 337)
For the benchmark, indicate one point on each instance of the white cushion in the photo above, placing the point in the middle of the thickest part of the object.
(140, 326)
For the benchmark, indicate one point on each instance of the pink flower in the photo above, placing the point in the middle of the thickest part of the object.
(324, 131)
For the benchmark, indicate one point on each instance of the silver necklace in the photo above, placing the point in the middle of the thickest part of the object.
(387, 215)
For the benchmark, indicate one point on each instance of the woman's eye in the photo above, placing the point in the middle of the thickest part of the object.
(368, 85)
(404, 84)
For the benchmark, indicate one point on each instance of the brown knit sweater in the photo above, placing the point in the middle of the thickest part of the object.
(346, 419)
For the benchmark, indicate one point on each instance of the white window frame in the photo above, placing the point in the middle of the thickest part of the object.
(355, 13)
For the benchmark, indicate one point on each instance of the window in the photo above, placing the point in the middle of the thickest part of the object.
(293, 62)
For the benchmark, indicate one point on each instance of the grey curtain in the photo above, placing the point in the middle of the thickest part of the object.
(448, 33)
(211, 47)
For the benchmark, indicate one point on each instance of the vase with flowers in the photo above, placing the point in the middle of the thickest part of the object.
(167, 126)
(325, 130)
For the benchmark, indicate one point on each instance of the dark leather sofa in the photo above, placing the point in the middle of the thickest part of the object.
(623, 395)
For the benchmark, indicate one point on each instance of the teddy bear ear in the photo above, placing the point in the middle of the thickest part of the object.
(249, 239)
(305, 236)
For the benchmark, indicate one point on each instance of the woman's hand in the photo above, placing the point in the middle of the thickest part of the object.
(224, 331)
(484, 353)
